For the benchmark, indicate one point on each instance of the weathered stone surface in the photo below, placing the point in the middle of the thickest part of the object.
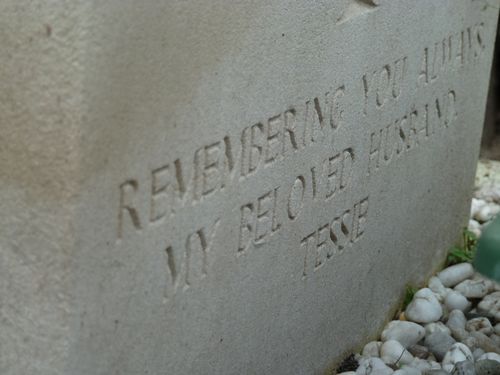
(227, 187)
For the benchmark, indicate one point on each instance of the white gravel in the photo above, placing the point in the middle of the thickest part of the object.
(453, 325)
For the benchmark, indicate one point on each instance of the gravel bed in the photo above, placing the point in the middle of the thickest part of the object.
(452, 326)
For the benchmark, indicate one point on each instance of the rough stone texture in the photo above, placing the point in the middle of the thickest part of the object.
(151, 220)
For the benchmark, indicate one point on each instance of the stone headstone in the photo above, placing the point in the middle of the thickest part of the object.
(227, 187)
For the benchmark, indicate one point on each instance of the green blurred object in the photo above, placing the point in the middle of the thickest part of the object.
(487, 261)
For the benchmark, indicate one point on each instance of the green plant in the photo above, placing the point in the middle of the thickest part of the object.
(465, 252)
(409, 293)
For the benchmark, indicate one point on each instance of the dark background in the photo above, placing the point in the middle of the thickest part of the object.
(490, 147)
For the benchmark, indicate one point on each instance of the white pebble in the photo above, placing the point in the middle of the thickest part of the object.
(474, 288)
(407, 371)
(436, 327)
(493, 193)
(470, 341)
(453, 275)
(492, 356)
(456, 320)
(421, 364)
(482, 325)
(372, 349)
(496, 339)
(438, 288)
(455, 301)
(434, 365)
(424, 308)
(487, 212)
(488, 189)
(478, 352)
(347, 373)
(474, 227)
(373, 366)
(406, 333)
(393, 352)
(491, 304)
(457, 353)
(476, 206)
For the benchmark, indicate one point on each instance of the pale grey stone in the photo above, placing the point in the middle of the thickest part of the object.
(491, 356)
(406, 370)
(446, 313)
(487, 212)
(495, 338)
(460, 334)
(482, 325)
(438, 344)
(227, 187)
(488, 181)
(420, 364)
(424, 308)
(464, 368)
(456, 320)
(358, 356)
(435, 285)
(433, 361)
(347, 373)
(474, 288)
(392, 352)
(373, 366)
(420, 351)
(472, 342)
(478, 352)
(457, 353)
(424, 365)
(476, 206)
(406, 333)
(472, 314)
(438, 288)
(491, 305)
(492, 284)
(485, 343)
(456, 301)
(372, 349)
(436, 327)
(455, 274)
(435, 372)
(487, 367)
(474, 227)
(434, 364)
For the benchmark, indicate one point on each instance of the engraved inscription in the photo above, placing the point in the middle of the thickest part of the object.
(177, 184)
(409, 131)
(189, 265)
(227, 162)
(334, 237)
(452, 52)
(127, 193)
(384, 84)
(259, 219)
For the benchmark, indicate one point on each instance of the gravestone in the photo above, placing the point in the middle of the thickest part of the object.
(224, 187)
